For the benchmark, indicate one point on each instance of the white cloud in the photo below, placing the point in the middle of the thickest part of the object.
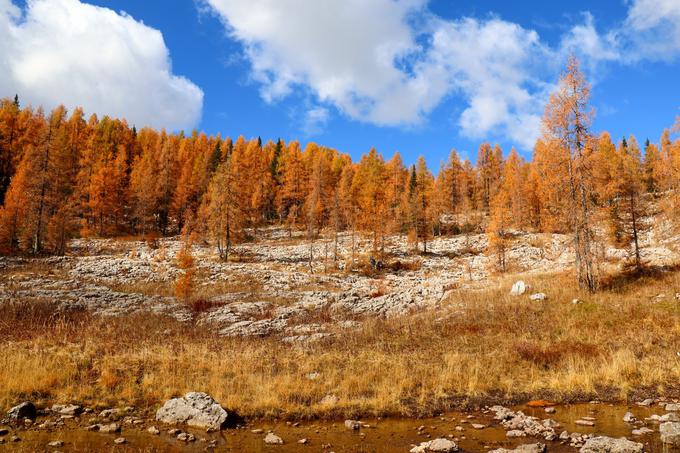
(652, 30)
(65, 51)
(496, 66)
(585, 41)
(391, 62)
(314, 121)
(345, 52)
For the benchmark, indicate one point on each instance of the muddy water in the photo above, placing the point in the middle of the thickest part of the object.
(388, 435)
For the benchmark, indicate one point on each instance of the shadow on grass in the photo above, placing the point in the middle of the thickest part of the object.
(634, 275)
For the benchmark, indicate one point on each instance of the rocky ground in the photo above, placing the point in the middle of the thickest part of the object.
(269, 287)
(196, 422)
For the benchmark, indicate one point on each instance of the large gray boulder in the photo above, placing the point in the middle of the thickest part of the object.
(195, 409)
(603, 444)
(670, 433)
(21, 411)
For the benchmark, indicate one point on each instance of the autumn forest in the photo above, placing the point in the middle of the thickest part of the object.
(66, 175)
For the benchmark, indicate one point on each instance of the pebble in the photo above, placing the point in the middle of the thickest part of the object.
(120, 441)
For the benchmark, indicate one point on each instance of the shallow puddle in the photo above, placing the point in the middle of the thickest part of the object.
(388, 435)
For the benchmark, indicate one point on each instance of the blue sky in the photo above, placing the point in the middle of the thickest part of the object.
(415, 76)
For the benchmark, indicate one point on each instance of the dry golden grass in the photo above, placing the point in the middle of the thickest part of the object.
(481, 346)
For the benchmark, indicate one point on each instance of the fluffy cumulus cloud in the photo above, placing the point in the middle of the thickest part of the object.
(391, 62)
(65, 51)
(495, 66)
(346, 52)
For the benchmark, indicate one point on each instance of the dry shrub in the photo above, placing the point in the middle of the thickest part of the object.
(546, 356)
(202, 305)
(398, 265)
(151, 239)
(24, 320)
(379, 291)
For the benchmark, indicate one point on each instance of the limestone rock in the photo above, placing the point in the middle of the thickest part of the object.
(352, 424)
(670, 433)
(272, 439)
(67, 409)
(526, 448)
(437, 445)
(538, 296)
(629, 417)
(603, 444)
(518, 288)
(195, 409)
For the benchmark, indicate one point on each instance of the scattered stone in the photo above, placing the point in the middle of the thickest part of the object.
(153, 430)
(525, 448)
(302, 441)
(120, 441)
(15, 439)
(518, 288)
(603, 444)
(68, 409)
(641, 431)
(673, 407)
(109, 428)
(272, 439)
(186, 437)
(56, 444)
(478, 426)
(257, 431)
(108, 413)
(585, 422)
(550, 410)
(22, 411)
(352, 424)
(538, 296)
(629, 417)
(550, 423)
(518, 424)
(670, 433)
(437, 445)
(646, 402)
(195, 409)
(576, 301)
